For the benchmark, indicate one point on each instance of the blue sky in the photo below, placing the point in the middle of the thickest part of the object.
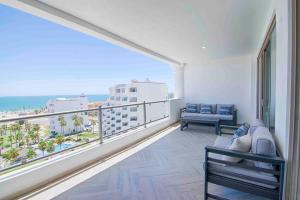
(38, 57)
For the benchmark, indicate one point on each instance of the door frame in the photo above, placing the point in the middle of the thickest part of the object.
(260, 71)
(293, 160)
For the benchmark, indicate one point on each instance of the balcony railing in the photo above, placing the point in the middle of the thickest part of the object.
(22, 142)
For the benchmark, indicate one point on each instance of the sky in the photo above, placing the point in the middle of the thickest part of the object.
(38, 57)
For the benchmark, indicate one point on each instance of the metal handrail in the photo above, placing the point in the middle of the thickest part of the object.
(100, 138)
(73, 111)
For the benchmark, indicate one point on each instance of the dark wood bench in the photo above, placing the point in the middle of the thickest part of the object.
(243, 177)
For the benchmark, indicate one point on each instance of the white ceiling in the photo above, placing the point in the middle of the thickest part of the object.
(178, 28)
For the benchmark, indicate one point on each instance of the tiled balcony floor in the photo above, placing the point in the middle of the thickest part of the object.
(170, 168)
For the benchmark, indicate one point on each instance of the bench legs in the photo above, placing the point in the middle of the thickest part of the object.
(183, 124)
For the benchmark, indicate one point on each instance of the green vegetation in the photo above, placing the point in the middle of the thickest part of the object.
(42, 146)
(30, 153)
(62, 123)
(50, 146)
(11, 155)
(21, 140)
(59, 140)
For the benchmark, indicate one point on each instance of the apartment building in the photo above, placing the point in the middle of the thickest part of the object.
(123, 118)
(67, 104)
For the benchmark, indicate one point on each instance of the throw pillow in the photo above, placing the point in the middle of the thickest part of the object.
(241, 131)
(241, 144)
(191, 108)
(206, 109)
(225, 110)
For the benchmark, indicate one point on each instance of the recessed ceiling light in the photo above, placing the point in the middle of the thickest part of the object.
(203, 47)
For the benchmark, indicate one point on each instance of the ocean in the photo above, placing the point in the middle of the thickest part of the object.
(19, 103)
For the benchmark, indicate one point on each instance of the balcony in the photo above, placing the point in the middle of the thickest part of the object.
(214, 53)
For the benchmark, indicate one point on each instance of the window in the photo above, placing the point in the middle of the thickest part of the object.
(113, 125)
(124, 116)
(133, 109)
(112, 98)
(118, 113)
(118, 90)
(118, 98)
(118, 128)
(123, 90)
(108, 122)
(124, 108)
(125, 124)
(113, 118)
(124, 98)
(118, 121)
(133, 99)
(133, 118)
(133, 89)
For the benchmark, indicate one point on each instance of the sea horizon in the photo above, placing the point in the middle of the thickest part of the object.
(25, 103)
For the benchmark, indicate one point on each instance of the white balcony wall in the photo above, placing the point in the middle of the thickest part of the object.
(221, 81)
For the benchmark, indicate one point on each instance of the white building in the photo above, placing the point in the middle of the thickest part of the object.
(119, 119)
(67, 104)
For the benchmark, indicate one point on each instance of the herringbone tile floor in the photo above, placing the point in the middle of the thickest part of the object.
(169, 169)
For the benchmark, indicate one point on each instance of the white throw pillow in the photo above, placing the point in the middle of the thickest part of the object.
(241, 144)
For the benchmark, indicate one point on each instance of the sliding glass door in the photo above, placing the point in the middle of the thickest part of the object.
(267, 81)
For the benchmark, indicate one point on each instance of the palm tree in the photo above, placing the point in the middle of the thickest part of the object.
(76, 122)
(62, 123)
(36, 129)
(11, 154)
(19, 137)
(42, 146)
(4, 128)
(1, 144)
(50, 146)
(80, 122)
(59, 140)
(93, 123)
(31, 136)
(30, 153)
(27, 126)
(27, 139)
(10, 138)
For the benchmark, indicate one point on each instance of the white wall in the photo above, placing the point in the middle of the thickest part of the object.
(221, 81)
(283, 73)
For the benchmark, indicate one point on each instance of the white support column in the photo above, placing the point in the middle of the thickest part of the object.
(178, 75)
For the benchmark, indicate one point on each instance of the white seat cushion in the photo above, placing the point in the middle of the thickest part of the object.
(240, 144)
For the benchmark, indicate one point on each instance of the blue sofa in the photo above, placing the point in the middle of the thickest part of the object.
(225, 114)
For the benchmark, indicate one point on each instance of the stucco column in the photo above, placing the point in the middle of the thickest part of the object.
(178, 76)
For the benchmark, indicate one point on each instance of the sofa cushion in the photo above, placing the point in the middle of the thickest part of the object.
(263, 144)
(246, 172)
(192, 108)
(208, 116)
(240, 144)
(206, 109)
(241, 131)
(225, 109)
(223, 142)
(255, 124)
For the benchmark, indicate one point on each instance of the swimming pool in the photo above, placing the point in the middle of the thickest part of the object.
(62, 147)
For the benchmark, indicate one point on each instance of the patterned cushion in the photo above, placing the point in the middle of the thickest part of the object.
(224, 109)
(241, 131)
(191, 108)
(206, 109)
